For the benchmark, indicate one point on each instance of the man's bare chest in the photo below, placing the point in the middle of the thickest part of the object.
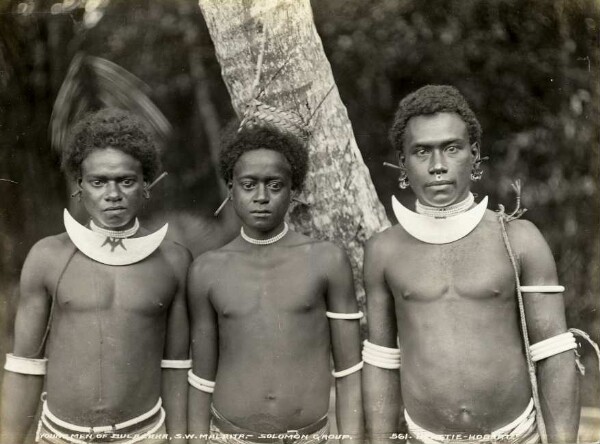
(474, 269)
(284, 287)
(146, 287)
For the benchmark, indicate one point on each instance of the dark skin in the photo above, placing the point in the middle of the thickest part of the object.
(263, 336)
(112, 325)
(463, 367)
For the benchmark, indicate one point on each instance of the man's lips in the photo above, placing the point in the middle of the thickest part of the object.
(439, 183)
(260, 212)
(114, 209)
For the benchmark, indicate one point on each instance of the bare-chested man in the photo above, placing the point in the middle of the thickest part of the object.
(268, 308)
(109, 299)
(442, 283)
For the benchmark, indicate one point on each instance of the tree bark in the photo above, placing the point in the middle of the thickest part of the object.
(295, 76)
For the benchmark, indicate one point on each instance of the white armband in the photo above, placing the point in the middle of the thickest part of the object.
(332, 315)
(176, 363)
(379, 356)
(552, 346)
(348, 371)
(201, 384)
(542, 288)
(25, 366)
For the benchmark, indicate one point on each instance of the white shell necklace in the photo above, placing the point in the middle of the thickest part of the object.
(268, 241)
(449, 211)
(116, 234)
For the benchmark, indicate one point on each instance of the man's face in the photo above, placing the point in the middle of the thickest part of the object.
(438, 158)
(112, 187)
(261, 191)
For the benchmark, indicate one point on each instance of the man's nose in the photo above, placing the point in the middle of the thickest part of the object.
(112, 191)
(262, 194)
(437, 163)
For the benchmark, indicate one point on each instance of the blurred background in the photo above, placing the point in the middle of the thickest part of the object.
(529, 69)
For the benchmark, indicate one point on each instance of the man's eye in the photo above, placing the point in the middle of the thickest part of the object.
(97, 183)
(452, 148)
(127, 182)
(247, 185)
(421, 152)
(276, 186)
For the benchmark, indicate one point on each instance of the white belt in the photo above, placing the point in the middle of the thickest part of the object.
(100, 429)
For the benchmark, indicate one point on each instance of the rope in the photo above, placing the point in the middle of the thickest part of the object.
(258, 113)
(504, 218)
(53, 301)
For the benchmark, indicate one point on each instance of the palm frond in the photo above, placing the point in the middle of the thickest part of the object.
(92, 83)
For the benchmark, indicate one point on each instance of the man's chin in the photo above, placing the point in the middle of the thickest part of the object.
(115, 223)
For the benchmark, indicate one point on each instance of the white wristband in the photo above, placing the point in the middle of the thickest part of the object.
(176, 363)
(201, 384)
(382, 357)
(553, 346)
(332, 315)
(542, 288)
(348, 371)
(25, 366)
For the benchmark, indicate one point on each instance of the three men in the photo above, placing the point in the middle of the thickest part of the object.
(104, 303)
(443, 284)
(268, 308)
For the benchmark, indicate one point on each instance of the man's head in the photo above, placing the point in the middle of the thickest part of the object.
(437, 138)
(432, 99)
(262, 167)
(112, 156)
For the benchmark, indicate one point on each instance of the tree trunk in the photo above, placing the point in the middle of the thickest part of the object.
(295, 75)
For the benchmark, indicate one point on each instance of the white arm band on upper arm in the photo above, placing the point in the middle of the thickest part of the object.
(541, 288)
(379, 356)
(348, 371)
(25, 366)
(176, 363)
(552, 346)
(203, 385)
(332, 315)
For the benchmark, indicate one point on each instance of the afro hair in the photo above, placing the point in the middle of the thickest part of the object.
(257, 137)
(111, 128)
(433, 99)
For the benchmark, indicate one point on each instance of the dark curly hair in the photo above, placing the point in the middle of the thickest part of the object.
(433, 99)
(256, 137)
(111, 128)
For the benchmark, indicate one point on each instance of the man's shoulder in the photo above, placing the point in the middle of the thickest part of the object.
(49, 247)
(176, 253)
(209, 261)
(387, 240)
(525, 236)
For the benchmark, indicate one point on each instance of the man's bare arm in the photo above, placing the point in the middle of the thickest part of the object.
(174, 381)
(545, 315)
(381, 386)
(345, 339)
(21, 392)
(204, 335)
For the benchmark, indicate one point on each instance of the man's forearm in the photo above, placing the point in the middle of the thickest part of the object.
(199, 414)
(559, 394)
(20, 399)
(349, 409)
(174, 396)
(381, 390)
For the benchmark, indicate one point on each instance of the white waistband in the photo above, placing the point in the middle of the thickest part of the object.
(100, 429)
(516, 427)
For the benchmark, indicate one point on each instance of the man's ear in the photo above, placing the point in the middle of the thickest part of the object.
(475, 151)
(401, 158)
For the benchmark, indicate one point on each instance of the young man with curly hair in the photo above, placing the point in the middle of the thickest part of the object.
(267, 310)
(102, 307)
(443, 300)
